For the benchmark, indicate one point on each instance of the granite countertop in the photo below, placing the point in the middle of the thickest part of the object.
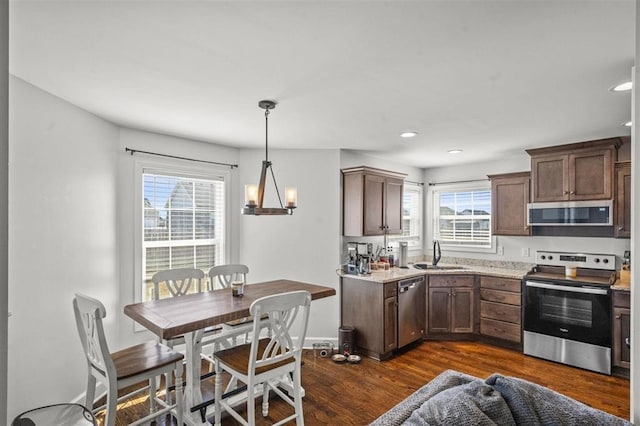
(394, 274)
(618, 286)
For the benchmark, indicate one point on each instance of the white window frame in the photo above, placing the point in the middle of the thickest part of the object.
(181, 169)
(416, 240)
(479, 185)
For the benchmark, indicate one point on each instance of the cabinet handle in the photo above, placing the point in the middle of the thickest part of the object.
(617, 316)
(573, 193)
(620, 228)
(565, 192)
(500, 313)
(627, 342)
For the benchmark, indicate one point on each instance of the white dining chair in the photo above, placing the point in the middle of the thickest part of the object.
(265, 361)
(221, 277)
(179, 282)
(126, 367)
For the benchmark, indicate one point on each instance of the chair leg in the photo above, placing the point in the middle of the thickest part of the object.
(112, 405)
(91, 392)
(179, 396)
(218, 391)
(265, 399)
(297, 395)
(251, 403)
(153, 393)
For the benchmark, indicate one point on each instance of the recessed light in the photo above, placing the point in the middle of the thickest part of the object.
(628, 124)
(454, 151)
(623, 87)
(408, 134)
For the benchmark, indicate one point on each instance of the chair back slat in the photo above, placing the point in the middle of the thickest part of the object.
(221, 276)
(177, 282)
(89, 313)
(282, 311)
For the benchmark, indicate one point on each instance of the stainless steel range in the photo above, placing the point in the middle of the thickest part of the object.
(567, 309)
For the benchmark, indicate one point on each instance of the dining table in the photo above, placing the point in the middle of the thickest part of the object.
(191, 314)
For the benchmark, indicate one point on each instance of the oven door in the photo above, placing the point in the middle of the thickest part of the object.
(579, 313)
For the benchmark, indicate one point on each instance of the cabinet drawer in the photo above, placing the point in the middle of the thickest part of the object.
(500, 296)
(622, 299)
(505, 284)
(451, 281)
(501, 330)
(500, 312)
(390, 289)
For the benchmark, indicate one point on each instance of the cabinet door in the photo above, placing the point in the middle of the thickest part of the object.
(591, 175)
(509, 198)
(439, 310)
(462, 303)
(550, 178)
(374, 195)
(390, 323)
(393, 206)
(621, 332)
(623, 201)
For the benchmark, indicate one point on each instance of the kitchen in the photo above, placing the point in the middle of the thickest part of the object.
(379, 335)
(96, 151)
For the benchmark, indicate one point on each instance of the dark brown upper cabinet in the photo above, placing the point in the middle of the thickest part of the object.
(622, 204)
(372, 201)
(509, 198)
(577, 171)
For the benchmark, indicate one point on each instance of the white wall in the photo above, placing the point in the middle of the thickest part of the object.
(62, 240)
(4, 198)
(513, 245)
(305, 245)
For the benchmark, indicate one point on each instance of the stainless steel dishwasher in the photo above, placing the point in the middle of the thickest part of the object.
(411, 310)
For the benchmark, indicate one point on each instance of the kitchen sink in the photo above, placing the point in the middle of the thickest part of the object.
(437, 267)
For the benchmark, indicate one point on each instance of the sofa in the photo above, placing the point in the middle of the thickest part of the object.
(455, 398)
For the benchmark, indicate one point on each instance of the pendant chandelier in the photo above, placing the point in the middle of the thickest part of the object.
(254, 195)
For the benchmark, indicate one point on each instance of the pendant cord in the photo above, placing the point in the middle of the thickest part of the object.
(266, 135)
(266, 153)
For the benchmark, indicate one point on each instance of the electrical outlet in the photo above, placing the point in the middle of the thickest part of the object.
(525, 252)
(500, 250)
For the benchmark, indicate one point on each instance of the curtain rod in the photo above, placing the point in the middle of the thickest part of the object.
(457, 181)
(415, 183)
(133, 151)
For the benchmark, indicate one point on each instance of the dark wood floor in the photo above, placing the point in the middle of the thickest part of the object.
(356, 394)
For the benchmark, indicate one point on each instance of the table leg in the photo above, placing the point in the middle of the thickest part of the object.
(193, 392)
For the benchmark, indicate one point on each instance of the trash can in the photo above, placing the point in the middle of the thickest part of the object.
(57, 414)
(346, 340)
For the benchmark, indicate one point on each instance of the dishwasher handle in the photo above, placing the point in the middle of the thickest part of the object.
(408, 284)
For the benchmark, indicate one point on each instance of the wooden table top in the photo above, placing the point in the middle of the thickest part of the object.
(174, 316)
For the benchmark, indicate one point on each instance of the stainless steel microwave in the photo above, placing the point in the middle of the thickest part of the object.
(571, 213)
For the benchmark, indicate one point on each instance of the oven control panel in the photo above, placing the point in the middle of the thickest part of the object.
(579, 260)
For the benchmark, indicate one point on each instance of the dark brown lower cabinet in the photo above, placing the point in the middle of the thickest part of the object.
(621, 358)
(372, 308)
(500, 310)
(451, 304)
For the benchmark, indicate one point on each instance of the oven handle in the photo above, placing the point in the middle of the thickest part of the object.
(587, 290)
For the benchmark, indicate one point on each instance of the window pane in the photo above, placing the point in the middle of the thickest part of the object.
(411, 216)
(183, 224)
(463, 217)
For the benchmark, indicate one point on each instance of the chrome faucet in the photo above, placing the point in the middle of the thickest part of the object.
(437, 254)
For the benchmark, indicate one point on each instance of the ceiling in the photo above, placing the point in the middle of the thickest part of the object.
(488, 77)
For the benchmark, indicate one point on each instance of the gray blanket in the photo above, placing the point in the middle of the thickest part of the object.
(454, 398)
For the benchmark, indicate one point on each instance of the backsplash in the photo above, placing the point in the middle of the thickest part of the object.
(466, 261)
